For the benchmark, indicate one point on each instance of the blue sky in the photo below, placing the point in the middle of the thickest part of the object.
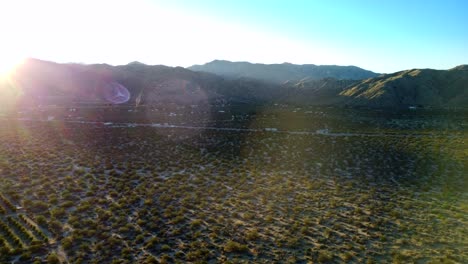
(383, 36)
(380, 35)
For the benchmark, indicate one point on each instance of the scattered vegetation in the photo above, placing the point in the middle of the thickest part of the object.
(87, 193)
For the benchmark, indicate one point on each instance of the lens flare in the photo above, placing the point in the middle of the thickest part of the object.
(116, 93)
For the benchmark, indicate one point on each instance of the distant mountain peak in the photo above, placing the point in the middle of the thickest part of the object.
(136, 63)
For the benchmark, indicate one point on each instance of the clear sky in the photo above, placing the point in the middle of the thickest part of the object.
(382, 36)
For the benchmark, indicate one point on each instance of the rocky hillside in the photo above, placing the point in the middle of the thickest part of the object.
(280, 73)
(417, 87)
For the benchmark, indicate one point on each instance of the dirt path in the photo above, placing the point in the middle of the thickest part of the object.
(157, 125)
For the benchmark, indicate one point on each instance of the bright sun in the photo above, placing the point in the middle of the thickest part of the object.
(8, 62)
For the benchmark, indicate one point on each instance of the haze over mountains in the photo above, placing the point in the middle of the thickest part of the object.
(280, 73)
(38, 82)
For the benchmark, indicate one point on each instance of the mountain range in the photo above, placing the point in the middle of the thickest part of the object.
(280, 73)
(37, 82)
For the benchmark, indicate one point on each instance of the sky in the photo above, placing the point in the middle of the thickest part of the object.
(382, 36)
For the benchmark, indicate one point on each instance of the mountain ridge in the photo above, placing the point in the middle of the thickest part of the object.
(50, 83)
(280, 73)
(424, 87)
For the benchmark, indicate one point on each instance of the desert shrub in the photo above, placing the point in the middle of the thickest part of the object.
(347, 256)
(67, 243)
(197, 255)
(196, 223)
(232, 246)
(324, 256)
(55, 226)
(165, 258)
(58, 212)
(150, 260)
(36, 206)
(53, 259)
(165, 247)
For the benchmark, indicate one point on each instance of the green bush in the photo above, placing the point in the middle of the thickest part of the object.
(232, 246)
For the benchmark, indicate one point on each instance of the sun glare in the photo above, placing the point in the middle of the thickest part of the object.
(8, 63)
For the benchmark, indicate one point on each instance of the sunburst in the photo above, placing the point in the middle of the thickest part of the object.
(8, 63)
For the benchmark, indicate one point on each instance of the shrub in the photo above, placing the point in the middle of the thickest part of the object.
(324, 256)
(165, 247)
(150, 260)
(232, 246)
(252, 235)
(347, 256)
(67, 243)
(196, 223)
(53, 259)
(42, 221)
